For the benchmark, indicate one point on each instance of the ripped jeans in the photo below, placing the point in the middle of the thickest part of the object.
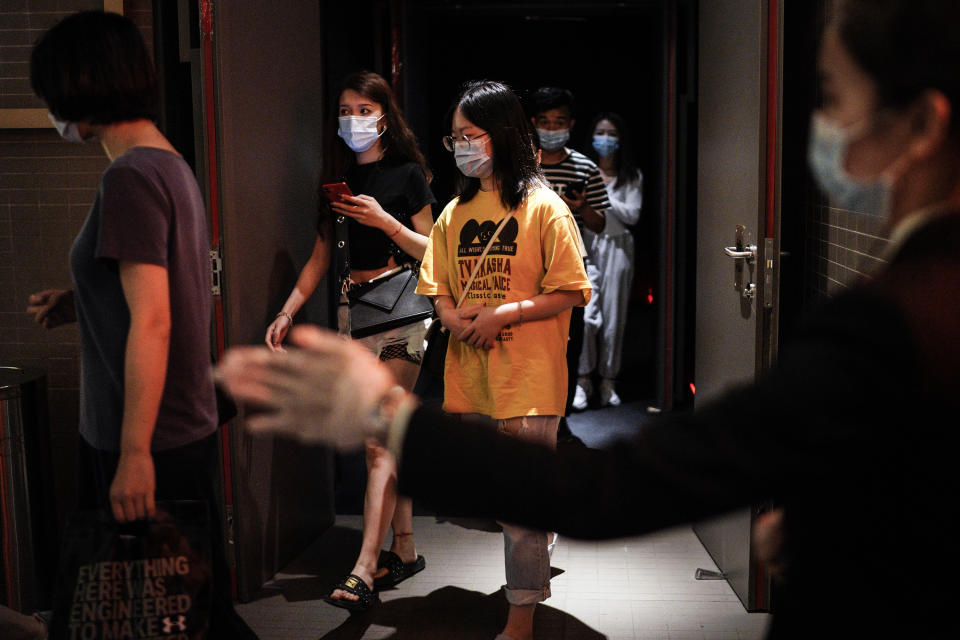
(525, 550)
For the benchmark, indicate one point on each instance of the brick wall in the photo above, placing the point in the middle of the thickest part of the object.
(46, 189)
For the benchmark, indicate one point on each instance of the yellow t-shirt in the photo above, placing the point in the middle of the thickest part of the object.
(537, 252)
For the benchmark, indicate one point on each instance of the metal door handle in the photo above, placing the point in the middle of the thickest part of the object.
(740, 254)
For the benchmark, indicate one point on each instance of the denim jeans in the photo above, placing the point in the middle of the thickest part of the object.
(525, 550)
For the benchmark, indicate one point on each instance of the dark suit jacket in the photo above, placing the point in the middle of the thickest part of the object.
(854, 432)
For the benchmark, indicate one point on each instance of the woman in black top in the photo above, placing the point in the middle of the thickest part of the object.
(388, 221)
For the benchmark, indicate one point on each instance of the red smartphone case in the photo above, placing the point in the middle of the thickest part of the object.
(335, 191)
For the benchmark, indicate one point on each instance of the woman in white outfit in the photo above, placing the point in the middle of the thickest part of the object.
(605, 316)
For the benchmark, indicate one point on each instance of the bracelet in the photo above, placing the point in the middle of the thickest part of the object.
(399, 229)
(287, 316)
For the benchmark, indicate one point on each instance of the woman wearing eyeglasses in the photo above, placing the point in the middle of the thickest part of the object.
(388, 221)
(506, 356)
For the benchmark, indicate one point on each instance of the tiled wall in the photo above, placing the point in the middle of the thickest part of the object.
(46, 189)
(842, 246)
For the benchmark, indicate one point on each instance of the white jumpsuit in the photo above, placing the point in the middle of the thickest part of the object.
(611, 276)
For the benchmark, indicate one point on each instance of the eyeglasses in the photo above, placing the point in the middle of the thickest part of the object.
(449, 142)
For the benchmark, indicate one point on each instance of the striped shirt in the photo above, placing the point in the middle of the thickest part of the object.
(575, 169)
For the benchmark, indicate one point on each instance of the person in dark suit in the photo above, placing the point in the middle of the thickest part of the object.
(853, 431)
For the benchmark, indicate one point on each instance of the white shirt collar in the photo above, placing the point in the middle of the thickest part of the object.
(912, 223)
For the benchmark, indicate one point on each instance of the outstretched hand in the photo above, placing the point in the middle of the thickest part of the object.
(325, 389)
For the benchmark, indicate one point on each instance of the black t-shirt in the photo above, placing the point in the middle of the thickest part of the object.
(401, 189)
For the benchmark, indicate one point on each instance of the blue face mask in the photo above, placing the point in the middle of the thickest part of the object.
(553, 140)
(605, 145)
(826, 154)
(473, 159)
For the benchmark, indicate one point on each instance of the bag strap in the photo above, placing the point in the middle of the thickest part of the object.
(486, 250)
(341, 250)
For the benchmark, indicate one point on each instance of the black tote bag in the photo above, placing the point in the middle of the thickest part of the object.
(142, 579)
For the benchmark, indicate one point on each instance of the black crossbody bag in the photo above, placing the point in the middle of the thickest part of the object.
(386, 302)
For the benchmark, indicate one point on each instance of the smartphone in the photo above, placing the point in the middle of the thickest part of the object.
(575, 187)
(336, 191)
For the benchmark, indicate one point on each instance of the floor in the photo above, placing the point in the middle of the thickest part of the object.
(625, 589)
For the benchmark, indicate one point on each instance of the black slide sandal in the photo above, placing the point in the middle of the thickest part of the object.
(397, 569)
(355, 585)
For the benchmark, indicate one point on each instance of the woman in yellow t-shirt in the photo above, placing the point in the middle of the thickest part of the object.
(506, 358)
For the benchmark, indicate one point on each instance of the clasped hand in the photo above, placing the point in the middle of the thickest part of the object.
(477, 326)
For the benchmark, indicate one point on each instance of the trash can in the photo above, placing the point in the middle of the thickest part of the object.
(28, 536)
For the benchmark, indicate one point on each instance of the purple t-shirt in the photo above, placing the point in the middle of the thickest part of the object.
(148, 210)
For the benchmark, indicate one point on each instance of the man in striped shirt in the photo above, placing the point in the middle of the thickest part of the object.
(571, 174)
(577, 180)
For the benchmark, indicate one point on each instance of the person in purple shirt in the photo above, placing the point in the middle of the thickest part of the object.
(141, 290)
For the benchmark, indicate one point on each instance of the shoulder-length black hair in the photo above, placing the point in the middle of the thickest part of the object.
(493, 107)
(623, 158)
(93, 67)
(398, 141)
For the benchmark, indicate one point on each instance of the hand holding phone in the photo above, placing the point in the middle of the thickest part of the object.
(576, 187)
(336, 191)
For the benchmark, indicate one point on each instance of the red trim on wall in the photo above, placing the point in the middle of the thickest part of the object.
(773, 107)
(669, 250)
(213, 182)
(772, 145)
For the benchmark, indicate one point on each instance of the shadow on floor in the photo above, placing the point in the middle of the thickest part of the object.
(452, 612)
(315, 571)
(601, 427)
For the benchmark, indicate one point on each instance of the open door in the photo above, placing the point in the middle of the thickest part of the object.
(263, 111)
(738, 177)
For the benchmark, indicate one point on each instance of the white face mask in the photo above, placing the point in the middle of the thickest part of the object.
(553, 140)
(826, 155)
(67, 130)
(359, 132)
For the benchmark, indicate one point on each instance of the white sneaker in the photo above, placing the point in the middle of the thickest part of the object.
(607, 394)
(582, 394)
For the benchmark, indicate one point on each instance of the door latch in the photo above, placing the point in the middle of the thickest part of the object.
(745, 256)
(748, 253)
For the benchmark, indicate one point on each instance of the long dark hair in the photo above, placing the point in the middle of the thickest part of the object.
(398, 141)
(623, 158)
(493, 107)
(905, 46)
